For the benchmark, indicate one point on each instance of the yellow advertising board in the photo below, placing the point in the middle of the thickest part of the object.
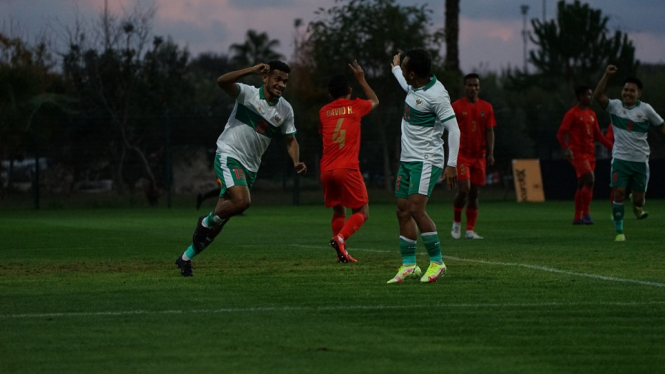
(528, 180)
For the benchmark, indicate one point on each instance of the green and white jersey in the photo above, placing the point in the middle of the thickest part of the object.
(252, 125)
(427, 112)
(630, 127)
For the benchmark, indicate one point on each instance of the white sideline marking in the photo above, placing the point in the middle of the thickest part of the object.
(533, 267)
(552, 270)
(315, 309)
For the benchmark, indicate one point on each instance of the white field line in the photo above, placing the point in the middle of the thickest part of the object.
(533, 267)
(324, 309)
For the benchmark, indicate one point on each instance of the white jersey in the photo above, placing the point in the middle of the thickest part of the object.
(630, 126)
(427, 112)
(252, 125)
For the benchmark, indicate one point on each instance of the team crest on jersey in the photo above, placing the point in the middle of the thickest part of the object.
(418, 101)
(639, 116)
(277, 118)
(258, 109)
(482, 113)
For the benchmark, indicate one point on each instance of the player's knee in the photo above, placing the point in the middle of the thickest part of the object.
(403, 214)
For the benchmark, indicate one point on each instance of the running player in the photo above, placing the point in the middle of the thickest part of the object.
(427, 112)
(576, 135)
(631, 119)
(259, 115)
(343, 184)
(476, 124)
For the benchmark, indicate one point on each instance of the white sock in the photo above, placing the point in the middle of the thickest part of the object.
(185, 257)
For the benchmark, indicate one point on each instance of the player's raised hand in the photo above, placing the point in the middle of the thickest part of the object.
(450, 176)
(261, 68)
(396, 60)
(611, 69)
(358, 72)
(301, 168)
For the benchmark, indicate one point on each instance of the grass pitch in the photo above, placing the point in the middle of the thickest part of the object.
(96, 291)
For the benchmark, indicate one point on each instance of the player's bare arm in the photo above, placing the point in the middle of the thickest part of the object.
(599, 92)
(227, 82)
(359, 73)
(294, 152)
(489, 144)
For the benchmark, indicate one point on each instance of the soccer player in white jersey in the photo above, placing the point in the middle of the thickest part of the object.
(631, 119)
(259, 115)
(427, 112)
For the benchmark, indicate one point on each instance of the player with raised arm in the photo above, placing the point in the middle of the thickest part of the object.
(631, 119)
(343, 184)
(427, 112)
(475, 118)
(259, 115)
(577, 133)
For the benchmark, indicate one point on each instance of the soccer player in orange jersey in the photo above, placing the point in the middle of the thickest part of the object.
(581, 126)
(343, 184)
(476, 123)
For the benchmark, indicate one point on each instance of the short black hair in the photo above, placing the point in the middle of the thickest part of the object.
(470, 76)
(338, 86)
(580, 90)
(633, 80)
(279, 65)
(420, 62)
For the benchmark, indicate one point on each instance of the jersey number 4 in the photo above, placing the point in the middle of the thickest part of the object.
(339, 136)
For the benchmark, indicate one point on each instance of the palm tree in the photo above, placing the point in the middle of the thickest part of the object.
(257, 48)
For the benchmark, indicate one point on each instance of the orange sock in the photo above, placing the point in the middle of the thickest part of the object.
(457, 214)
(587, 195)
(337, 223)
(578, 204)
(471, 216)
(352, 225)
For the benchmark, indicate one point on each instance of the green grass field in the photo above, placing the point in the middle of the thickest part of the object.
(96, 291)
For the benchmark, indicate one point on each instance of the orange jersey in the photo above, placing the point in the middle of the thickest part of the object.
(581, 125)
(473, 120)
(339, 127)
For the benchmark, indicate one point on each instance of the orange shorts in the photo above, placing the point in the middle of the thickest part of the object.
(583, 165)
(472, 169)
(344, 187)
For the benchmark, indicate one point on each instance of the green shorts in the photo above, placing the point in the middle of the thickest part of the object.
(630, 174)
(416, 178)
(231, 172)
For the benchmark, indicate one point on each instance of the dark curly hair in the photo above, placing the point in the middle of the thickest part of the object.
(338, 86)
(420, 62)
(279, 65)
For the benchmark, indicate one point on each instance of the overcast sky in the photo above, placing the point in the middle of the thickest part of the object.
(490, 30)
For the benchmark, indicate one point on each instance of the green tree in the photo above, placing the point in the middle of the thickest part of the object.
(577, 45)
(28, 87)
(257, 48)
(371, 31)
(126, 85)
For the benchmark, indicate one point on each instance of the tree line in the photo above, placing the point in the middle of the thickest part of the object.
(118, 97)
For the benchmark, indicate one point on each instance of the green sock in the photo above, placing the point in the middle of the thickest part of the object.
(433, 246)
(212, 220)
(617, 213)
(190, 252)
(407, 248)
